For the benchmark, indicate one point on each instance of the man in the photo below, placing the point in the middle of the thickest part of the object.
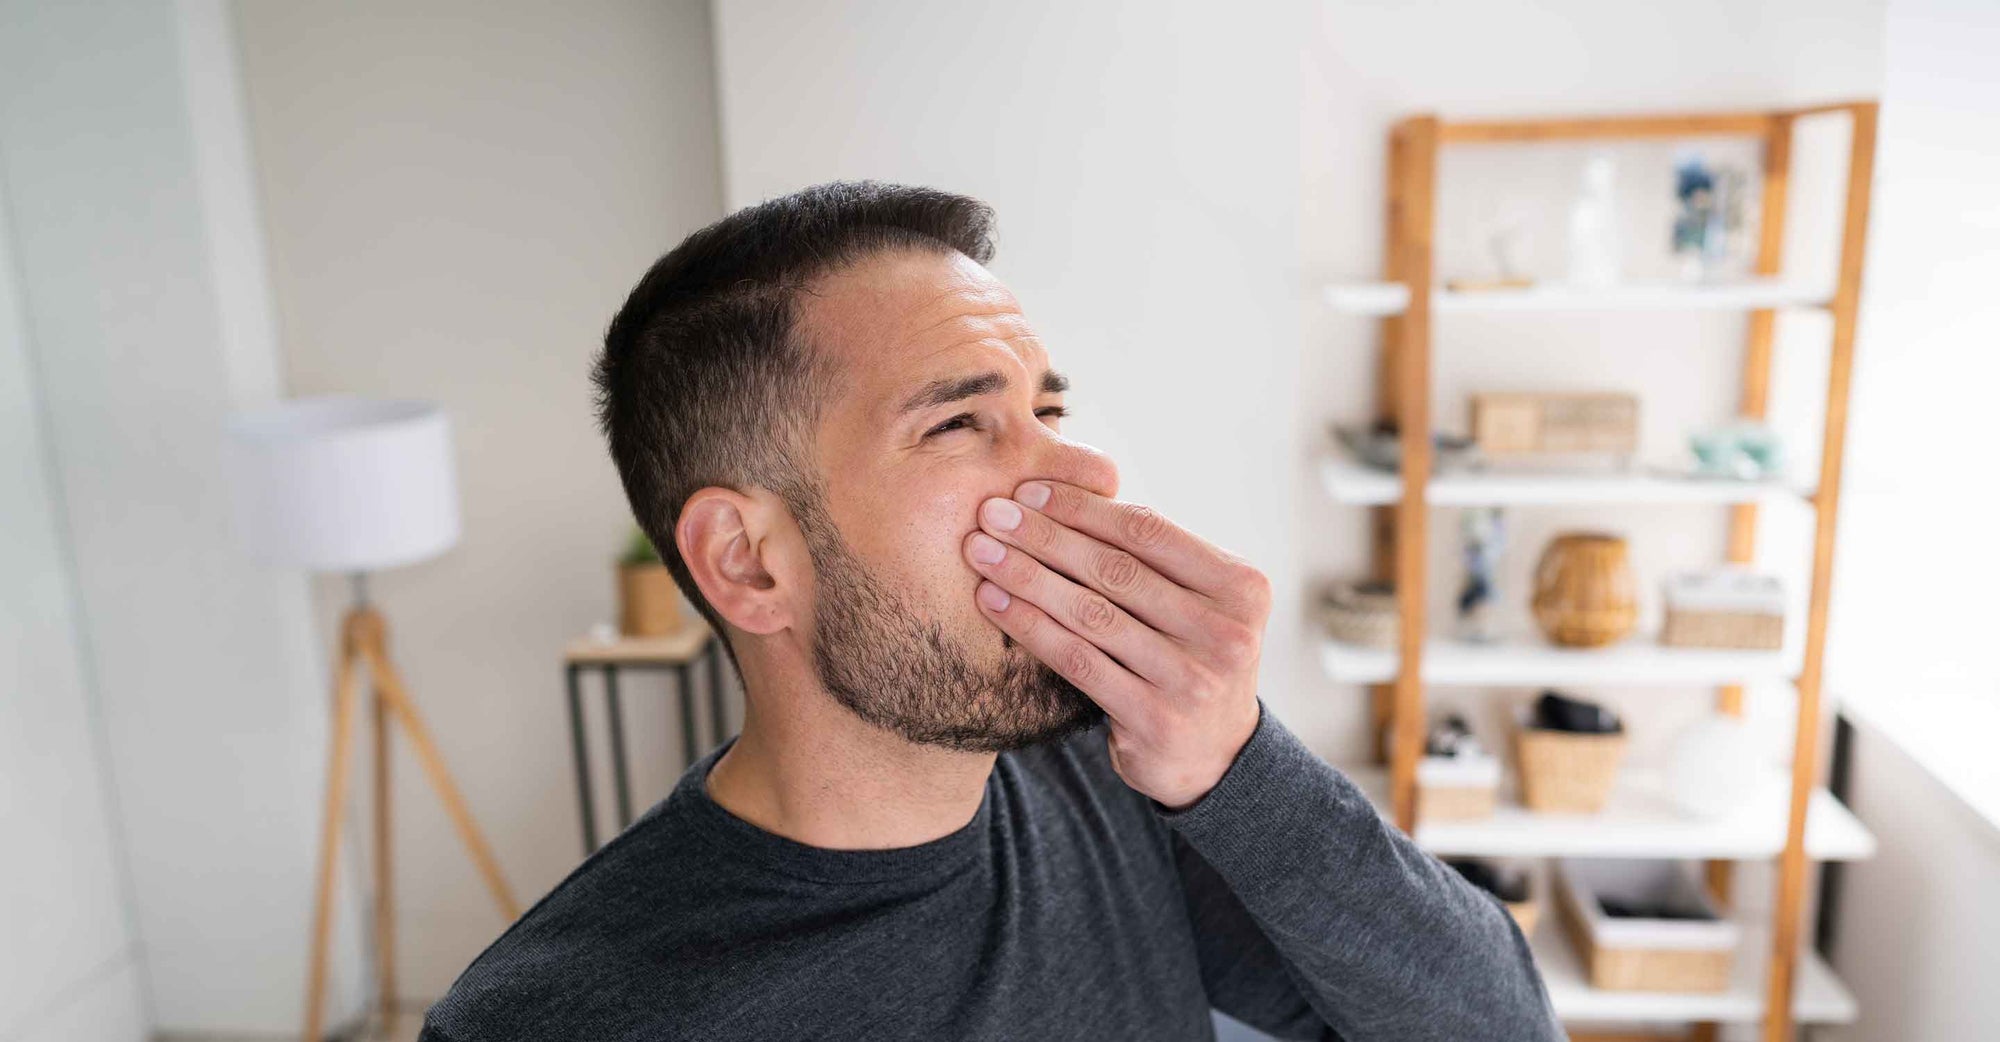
(1003, 772)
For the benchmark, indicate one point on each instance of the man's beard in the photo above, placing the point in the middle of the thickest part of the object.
(900, 671)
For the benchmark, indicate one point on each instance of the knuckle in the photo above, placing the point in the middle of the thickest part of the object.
(1247, 587)
(1094, 614)
(1142, 526)
(1256, 587)
(1117, 571)
(1077, 663)
(1035, 533)
(1236, 644)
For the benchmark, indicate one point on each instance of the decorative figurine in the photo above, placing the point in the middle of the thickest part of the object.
(1595, 250)
(1485, 532)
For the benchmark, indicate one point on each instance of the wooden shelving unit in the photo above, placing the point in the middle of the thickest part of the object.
(1778, 983)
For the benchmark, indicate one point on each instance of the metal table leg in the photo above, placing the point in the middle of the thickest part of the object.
(580, 751)
(683, 678)
(713, 652)
(618, 747)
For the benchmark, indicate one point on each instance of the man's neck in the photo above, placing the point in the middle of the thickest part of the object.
(808, 769)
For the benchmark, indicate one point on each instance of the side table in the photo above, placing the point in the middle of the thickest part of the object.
(679, 653)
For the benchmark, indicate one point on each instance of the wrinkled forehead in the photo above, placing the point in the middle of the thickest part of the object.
(900, 318)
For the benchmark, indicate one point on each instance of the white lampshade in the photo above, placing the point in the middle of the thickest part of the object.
(338, 483)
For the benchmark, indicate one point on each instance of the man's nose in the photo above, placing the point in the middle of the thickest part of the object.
(1061, 459)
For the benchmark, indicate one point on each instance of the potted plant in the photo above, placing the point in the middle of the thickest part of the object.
(649, 605)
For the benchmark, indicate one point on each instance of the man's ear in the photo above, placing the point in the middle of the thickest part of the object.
(744, 551)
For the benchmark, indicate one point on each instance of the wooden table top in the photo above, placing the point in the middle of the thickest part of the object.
(674, 649)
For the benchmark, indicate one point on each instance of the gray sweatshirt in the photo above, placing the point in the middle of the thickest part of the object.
(1069, 907)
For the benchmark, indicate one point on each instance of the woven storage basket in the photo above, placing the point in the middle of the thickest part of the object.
(1754, 631)
(1452, 790)
(1357, 615)
(1442, 803)
(1566, 773)
(1644, 955)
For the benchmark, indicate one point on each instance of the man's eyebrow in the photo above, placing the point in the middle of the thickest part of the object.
(959, 388)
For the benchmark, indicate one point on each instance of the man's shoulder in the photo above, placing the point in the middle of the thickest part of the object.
(609, 919)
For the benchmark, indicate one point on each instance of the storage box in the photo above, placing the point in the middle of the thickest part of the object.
(1728, 607)
(1627, 954)
(1565, 772)
(1508, 423)
(1457, 788)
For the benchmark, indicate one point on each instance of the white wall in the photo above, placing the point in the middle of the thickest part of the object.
(459, 196)
(1915, 940)
(1141, 158)
(139, 291)
(1925, 366)
(1916, 542)
(68, 964)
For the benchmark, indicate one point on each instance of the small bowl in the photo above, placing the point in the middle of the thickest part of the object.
(1383, 450)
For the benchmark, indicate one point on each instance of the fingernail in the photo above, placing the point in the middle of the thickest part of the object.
(994, 597)
(1034, 493)
(986, 549)
(1002, 514)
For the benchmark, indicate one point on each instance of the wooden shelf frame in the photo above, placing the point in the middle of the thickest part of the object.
(1400, 530)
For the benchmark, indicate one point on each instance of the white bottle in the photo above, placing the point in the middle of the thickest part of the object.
(1593, 227)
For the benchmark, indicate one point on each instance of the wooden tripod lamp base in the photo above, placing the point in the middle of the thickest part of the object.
(364, 642)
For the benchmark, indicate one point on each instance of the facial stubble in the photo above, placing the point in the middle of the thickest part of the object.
(897, 669)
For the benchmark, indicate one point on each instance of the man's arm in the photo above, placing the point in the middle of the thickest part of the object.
(1312, 912)
(1164, 630)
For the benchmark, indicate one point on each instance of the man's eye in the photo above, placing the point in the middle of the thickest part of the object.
(955, 423)
(966, 419)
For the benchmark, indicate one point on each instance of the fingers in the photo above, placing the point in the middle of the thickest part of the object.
(1086, 615)
(1127, 581)
(1120, 692)
(1173, 551)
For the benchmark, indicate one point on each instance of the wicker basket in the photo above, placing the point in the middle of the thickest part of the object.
(1360, 613)
(1731, 606)
(1566, 773)
(1644, 954)
(1754, 631)
(1449, 789)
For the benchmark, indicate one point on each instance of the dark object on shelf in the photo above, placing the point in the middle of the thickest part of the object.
(1512, 890)
(1554, 712)
(1380, 446)
(1661, 909)
(1451, 736)
(1511, 887)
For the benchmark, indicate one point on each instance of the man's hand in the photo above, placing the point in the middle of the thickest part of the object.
(1158, 626)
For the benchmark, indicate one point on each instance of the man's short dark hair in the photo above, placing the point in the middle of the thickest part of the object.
(704, 379)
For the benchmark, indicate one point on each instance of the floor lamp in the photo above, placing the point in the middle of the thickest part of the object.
(356, 485)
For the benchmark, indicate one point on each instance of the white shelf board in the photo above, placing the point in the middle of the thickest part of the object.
(1531, 661)
(1355, 484)
(1392, 298)
(1817, 998)
(1639, 821)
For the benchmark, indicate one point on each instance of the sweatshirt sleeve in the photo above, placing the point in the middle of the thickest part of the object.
(1313, 912)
